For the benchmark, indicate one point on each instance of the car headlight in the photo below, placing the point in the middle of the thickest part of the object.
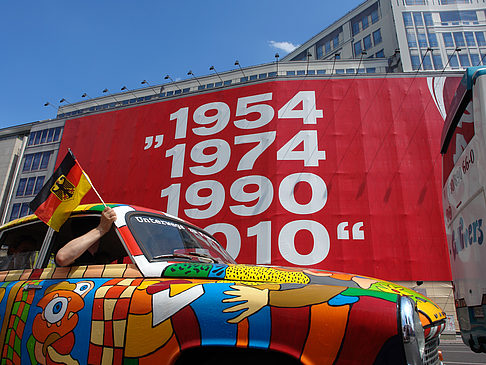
(412, 331)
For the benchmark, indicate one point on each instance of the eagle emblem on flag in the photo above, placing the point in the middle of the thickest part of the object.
(63, 188)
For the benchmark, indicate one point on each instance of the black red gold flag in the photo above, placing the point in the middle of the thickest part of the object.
(62, 193)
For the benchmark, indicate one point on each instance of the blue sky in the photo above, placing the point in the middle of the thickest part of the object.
(61, 49)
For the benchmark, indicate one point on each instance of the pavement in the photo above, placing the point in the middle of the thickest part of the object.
(455, 352)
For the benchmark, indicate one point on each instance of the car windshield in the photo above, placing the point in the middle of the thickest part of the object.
(163, 239)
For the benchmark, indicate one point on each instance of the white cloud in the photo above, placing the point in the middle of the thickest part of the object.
(284, 46)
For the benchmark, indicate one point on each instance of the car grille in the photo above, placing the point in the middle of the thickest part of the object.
(431, 356)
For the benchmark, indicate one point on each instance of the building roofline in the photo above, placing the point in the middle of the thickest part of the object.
(326, 30)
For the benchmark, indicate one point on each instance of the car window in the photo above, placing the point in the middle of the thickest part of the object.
(111, 249)
(163, 239)
(20, 246)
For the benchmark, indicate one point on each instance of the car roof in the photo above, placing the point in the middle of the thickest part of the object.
(79, 210)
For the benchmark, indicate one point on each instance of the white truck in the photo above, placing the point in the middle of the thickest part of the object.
(463, 148)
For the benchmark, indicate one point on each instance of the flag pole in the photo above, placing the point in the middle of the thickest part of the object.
(94, 189)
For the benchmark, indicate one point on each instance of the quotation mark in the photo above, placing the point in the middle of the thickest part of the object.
(150, 140)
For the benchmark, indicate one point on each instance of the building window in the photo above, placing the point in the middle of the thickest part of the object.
(262, 76)
(429, 21)
(227, 83)
(300, 72)
(15, 211)
(412, 41)
(475, 60)
(451, 2)
(20, 210)
(244, 79)
(456, 17)
(186, 90)
(311, 72)
(417, 18)
(24, 210)
(437, 61)
(453, 61)
(367, 42)
(415, 2)
(290, 73)
(321, 72)
(253, 77)
(218, 84)
(427, 63)
(371, 70)
(380, 54)
(433, 42)
(470, 41)
(30, 186)
(377, 37)
(415, 62)
(39, 183)
(374, 16)
(357, 48)
(447, 37)
(480, 38)
(422, 39)
(335, 41)
(36, 161)
(350, 71)
(407, 19)
(459, 39)
(464, 60)
(21, 187)
(44, 136)
(364, 22)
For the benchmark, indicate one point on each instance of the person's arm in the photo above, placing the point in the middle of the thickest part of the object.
(77, 246)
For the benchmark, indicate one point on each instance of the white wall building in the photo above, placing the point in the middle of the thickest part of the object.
(411, 34)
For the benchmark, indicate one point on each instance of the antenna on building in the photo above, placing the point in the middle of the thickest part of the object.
(192, 74)
(167, 77)
(146, 82)
(237, 63)
(108, 91)
(213, 69)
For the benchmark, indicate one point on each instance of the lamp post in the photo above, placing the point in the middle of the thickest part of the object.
(213, 69)
(194, 76)
(237, 63)
(276, 58)
(167, 77)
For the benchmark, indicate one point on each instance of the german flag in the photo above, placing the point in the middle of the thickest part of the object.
(61, 193)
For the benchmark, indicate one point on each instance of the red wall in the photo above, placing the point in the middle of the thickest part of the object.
(279, 166)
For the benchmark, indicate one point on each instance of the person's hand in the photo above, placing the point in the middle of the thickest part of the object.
(108, 216)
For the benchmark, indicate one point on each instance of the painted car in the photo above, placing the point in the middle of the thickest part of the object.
(167, 293)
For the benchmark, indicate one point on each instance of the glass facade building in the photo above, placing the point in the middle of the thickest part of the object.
(414, 35)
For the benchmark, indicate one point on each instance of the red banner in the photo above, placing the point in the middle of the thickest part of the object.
(336, 174)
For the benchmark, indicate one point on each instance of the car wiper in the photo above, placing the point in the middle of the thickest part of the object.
(188, 256)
